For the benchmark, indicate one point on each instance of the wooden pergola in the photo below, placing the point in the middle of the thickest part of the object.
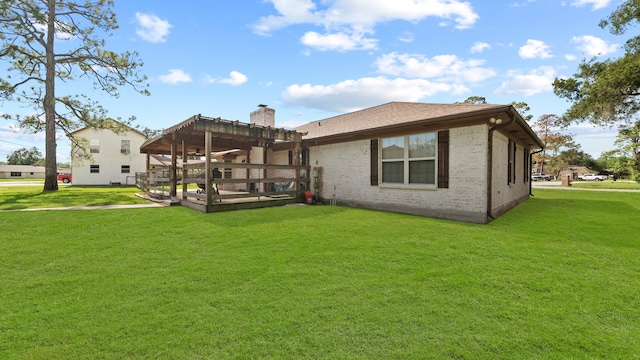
(200, 135)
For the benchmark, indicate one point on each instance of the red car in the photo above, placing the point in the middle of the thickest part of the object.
(65, 178)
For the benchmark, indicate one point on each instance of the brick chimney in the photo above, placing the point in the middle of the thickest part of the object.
(263, 116)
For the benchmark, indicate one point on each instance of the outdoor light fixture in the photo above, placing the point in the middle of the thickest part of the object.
(496, 121)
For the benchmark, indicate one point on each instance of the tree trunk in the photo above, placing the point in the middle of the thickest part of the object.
(50, 162)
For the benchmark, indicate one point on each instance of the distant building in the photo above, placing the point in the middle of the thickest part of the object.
(21, 172)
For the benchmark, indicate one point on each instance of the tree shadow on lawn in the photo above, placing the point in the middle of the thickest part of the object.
(286, 215)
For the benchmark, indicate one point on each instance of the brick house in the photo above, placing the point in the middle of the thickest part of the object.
(467, 162)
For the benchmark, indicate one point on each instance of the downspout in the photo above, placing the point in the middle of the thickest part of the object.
(530, 162)
(490, 163)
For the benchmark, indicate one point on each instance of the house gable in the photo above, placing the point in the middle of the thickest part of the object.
(113, 155)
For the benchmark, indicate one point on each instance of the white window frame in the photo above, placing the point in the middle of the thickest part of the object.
(406, 160)
(125, 150)
(94, 146)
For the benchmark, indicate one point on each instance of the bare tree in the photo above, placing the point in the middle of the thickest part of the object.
(30, 31)
(549, 129)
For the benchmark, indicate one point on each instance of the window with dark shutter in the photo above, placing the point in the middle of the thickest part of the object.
(526, 166)
(443, 159)
(510, 162)
(374, 162)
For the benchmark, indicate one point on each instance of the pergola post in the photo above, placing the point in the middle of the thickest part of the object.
(184, 170)
(174, 161)
(207, 167)
(296, 162)
(148, 179)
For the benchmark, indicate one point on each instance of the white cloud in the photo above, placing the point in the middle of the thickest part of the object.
(593, 46)
(235, 78)
(534, 49)
(356, 18)
(570, 57)
(406, 37)
(351, 95)
(525, 3)
(175, 76)
(479, 47)
(338, 41)
(151, 28)
(443, 68)
(597, 4)
(535, 81)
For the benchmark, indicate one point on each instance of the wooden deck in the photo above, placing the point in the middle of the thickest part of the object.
(234, 200)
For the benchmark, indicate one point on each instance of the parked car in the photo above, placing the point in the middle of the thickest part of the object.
(65, 178)
(595, 177)
(540, 177)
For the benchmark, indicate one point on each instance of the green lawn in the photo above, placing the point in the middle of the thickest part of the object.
(558, 277)
(29, 197)
(607, 184)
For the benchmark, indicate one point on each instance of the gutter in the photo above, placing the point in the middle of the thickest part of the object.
(490, 161)
(530, 162)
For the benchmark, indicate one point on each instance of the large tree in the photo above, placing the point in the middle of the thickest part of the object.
(607, 92)
(522, 107)
(25, 156)
(29, 35)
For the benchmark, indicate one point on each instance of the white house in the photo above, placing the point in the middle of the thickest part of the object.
(113, 155)
(467, 162)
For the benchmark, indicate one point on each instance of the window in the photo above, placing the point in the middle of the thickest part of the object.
(409, 159)
(16, 174)
(125, 169)
(526, 166)
(125, 147)
(94, 146)
(511, 171)
(94, 169)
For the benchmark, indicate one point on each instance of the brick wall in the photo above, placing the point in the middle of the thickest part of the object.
(346, 176)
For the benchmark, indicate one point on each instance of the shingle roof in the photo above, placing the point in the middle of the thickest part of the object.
(390, 114)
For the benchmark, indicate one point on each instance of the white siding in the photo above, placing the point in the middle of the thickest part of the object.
(110, 159)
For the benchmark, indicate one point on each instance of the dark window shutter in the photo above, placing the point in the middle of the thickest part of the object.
(290, 157)
(374, 162)
(443, 159)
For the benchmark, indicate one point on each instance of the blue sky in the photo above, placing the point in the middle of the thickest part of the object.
(312, 59)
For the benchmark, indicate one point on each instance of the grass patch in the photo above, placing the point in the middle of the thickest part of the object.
(31, 197)
(557, 277)
(22, 180)
(607, 184)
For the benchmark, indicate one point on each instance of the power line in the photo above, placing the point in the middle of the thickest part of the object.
(9, 142)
